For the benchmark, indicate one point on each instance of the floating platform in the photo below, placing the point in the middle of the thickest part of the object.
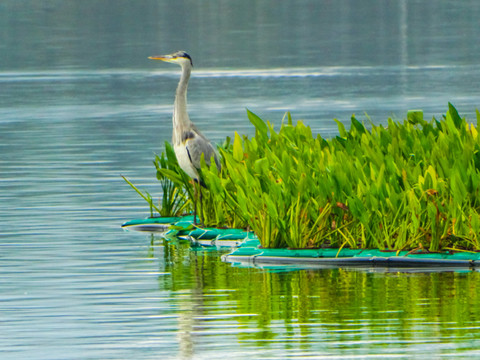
(154, 224)
(183, 228)
(248, 252)
(252, 255)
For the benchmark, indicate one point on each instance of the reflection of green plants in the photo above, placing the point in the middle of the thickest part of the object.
(305, 305)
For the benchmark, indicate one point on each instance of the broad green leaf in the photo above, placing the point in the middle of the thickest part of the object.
(415, 116)
(455, 117)
(341, 129)
(261, 166)
(237, 148)
(259, 124)
(357, 125)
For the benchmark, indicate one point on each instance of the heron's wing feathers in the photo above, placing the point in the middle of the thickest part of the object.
(196, 144)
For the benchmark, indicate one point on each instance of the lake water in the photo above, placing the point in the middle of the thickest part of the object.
(80, 105)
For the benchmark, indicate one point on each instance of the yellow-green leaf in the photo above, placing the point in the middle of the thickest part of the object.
(237, 148)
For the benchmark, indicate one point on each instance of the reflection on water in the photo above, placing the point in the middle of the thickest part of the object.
(327, 312)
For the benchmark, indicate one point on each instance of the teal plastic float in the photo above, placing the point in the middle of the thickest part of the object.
(153, 224)
(250, 254)
(183, 228)
(248, 251)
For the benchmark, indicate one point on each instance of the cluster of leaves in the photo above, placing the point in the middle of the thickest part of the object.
(177, 190)
(178, 193)
(409, 185)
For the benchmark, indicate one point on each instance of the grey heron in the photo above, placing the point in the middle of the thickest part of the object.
(188, 142)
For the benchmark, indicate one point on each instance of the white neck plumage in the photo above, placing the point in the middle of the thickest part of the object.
(181, 120)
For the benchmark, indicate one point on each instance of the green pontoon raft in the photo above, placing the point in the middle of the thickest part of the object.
(248, 252)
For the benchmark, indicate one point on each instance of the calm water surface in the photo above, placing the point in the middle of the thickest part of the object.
(80, 105)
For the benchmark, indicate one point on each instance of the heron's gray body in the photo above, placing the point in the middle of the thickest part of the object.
(188, 142)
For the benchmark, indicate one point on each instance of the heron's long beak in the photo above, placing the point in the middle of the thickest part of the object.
(167, 58)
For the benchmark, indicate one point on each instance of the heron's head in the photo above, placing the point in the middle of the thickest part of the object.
(180, 57)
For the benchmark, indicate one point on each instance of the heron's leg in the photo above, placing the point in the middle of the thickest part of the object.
(194, 202)
(200, 198)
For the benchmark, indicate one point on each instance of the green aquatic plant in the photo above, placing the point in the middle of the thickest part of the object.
(176, 189)
(266, 180)
(177, 193)
(409, 185)
(219, 209)
(145, 195)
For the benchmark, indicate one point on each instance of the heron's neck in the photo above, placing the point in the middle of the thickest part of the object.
(180, 118)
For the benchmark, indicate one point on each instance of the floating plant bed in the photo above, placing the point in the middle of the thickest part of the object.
(403, 185)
